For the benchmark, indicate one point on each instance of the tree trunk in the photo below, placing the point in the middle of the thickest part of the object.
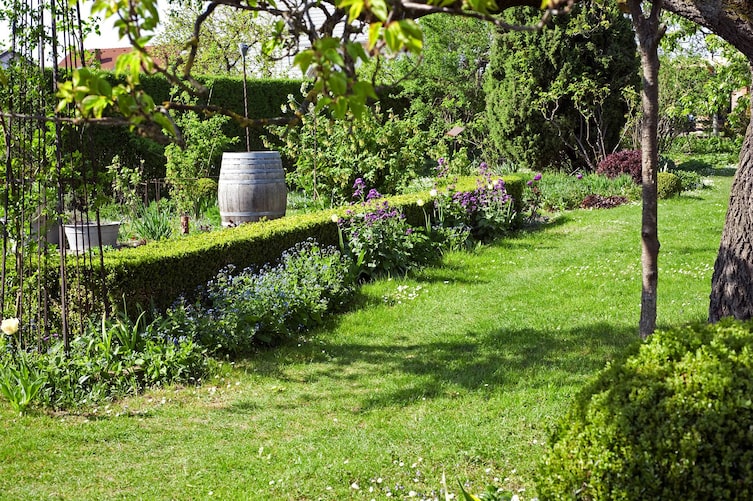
(649, 33)
(732, 282)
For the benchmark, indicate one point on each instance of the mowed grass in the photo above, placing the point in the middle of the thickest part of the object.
(459, 371)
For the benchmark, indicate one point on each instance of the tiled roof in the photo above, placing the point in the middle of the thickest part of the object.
(102, 58)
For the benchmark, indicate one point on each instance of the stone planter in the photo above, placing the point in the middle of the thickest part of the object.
(82, 236)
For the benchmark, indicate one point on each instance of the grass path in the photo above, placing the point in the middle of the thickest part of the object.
(459, 371)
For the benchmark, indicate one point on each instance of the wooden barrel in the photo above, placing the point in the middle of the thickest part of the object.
(251, 187)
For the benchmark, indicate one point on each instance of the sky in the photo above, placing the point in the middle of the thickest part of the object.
(108, 37)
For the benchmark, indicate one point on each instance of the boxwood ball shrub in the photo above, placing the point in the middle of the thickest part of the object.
(621, 162)
(668, 185)
(672, 421)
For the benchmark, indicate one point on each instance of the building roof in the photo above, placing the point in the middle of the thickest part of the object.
(7, 56)
(102, 58)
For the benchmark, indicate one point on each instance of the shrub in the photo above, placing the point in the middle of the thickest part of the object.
(109, 360)
(483, 213)
(622, 162)
(153, 222)
(565, 191)
(239, 310)
(380, 147)
(668, 185)
(689, 180)
(673, 421)
(206, 190)
(379, 240)
(552, 96)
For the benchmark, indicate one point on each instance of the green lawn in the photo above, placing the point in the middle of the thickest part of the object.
(458, 371)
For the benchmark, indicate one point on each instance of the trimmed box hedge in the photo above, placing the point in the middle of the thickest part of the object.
(156, 274)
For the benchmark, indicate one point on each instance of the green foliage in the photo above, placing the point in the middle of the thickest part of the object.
(108, 360)
(566, 192)
(673, 421)
(206, 191)
(377, 237)
(269, 305)
(555, 97)
(699, 71)
(187, 165)
(153, 222)
(20, 381)
(444, 85)
(689, 180)
(125, 184)
(329, 154)
(668, 185)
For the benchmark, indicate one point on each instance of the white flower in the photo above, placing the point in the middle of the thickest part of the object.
(9, 326)
(433, 193)
(335, 218)
(420, 202)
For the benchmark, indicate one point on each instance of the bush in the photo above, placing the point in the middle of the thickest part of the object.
(153, 222)
(269, 305)
(555, 97)
(109, 360)
(689, 180)
(565, 192)
(673, 421)
(379, 239)
(668, 185)
(622, 162)
(385, 150)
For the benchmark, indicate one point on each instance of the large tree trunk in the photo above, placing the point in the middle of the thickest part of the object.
(649, 33)
(732, 282)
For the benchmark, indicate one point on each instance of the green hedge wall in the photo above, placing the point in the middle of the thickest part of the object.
(265, 97)
(158, 273)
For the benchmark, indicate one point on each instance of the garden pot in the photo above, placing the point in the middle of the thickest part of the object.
(251, 187)
(40, 225)
(82, 236)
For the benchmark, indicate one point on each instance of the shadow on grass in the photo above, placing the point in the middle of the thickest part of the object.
(400, 372)
(725, 171)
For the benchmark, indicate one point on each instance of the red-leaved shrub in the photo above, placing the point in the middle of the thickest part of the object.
(622, 162)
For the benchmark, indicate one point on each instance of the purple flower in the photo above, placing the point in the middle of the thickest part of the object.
(442, 168)
(537, 177)
(579, 175)
(530, 183)
(358, 188)
(373, 194)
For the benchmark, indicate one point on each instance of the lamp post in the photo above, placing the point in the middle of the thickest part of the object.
(243, 47)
